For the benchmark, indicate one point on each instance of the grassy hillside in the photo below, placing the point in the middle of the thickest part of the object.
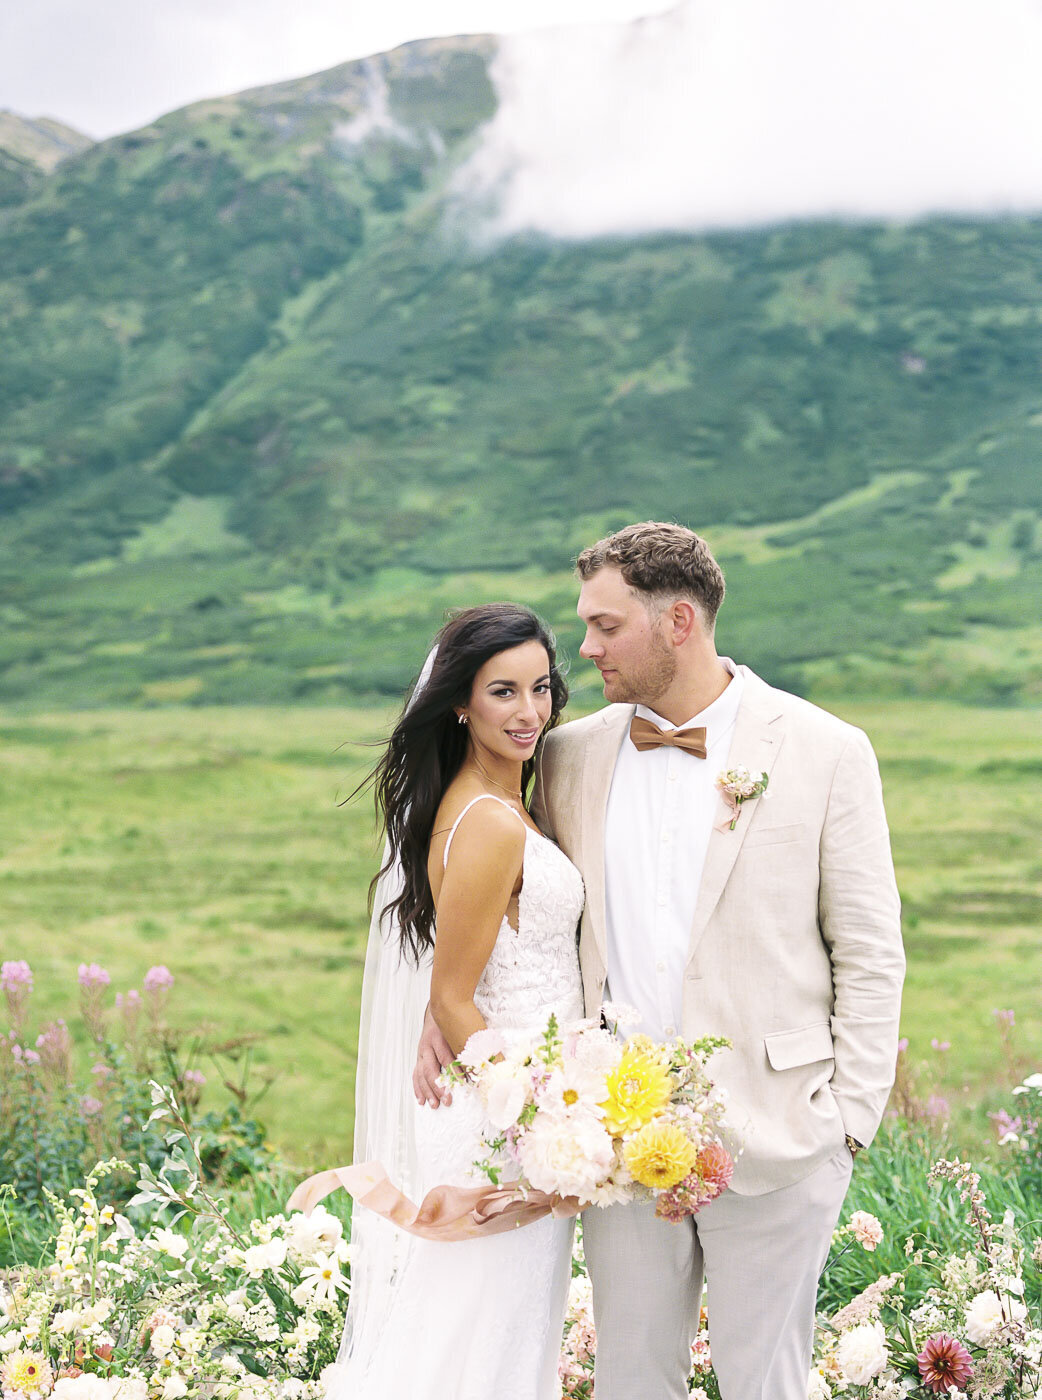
(210, 840)
(266, 410)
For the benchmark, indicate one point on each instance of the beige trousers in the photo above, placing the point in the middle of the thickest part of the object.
(760, 1258)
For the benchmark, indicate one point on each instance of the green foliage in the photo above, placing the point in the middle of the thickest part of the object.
(61, 1110)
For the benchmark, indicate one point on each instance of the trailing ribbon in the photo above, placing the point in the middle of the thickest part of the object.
(446, 1212)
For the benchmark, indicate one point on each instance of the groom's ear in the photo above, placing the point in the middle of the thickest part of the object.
(683, 619)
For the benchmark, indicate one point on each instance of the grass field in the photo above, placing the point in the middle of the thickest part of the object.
(212, 840)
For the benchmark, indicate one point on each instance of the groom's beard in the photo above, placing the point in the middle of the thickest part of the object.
(649, 683)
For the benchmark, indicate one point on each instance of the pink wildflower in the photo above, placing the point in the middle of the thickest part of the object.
(938, 1107)
(90, 1107)
(92, 975)
(158, 979)
(16, 975)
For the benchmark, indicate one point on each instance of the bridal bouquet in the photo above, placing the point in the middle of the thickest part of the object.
(581, 1113)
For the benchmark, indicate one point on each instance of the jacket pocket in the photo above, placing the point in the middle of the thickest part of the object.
(787, 1049)
(773, 835)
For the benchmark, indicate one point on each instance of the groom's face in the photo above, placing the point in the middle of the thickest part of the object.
(624, 640)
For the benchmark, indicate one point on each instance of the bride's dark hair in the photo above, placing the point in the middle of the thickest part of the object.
(428, 744)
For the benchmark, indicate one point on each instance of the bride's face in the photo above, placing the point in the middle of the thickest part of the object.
(510, 702)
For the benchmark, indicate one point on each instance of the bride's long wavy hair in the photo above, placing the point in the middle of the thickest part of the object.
(428, 745)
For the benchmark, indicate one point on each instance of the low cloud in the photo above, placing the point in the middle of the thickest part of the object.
(725, 113)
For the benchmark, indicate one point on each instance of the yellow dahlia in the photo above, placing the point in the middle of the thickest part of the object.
(660, 1155)
(638, 1088)
(26, 1371)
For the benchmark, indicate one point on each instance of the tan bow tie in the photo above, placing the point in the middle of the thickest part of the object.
(646, 735)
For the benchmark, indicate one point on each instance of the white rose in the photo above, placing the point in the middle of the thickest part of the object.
(570, 1154)
(862, 1353)
(985, 1313)
(173, 1388)
(504, 1090)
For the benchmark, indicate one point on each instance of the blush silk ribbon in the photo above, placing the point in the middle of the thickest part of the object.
(445, 1213)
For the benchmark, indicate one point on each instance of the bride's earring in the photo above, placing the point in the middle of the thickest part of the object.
(463, 719)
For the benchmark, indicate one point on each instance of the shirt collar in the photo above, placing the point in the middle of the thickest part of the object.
(719, 717)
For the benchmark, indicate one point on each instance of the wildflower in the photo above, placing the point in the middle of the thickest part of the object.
(866, 1229)
(90, 1107)
(259, 1257)
(16, 976)
(158, 979)
(941, 1046)
(92, 975)
(308, 1235)
(320, 1281)
(943, 1363)
(166, 1241)
(638, 1088)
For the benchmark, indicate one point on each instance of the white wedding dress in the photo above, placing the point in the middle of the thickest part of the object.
(482, 1319)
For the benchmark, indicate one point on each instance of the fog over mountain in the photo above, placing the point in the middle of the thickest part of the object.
(722, 113)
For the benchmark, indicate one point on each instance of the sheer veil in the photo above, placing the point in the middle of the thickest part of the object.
(395, 993)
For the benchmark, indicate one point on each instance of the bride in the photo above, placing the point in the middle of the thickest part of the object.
(477, 910)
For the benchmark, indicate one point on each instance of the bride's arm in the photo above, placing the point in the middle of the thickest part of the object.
(484, 864)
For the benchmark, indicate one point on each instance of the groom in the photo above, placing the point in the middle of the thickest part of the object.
(782, 933)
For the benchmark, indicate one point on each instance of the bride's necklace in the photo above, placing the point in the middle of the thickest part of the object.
(516, 796)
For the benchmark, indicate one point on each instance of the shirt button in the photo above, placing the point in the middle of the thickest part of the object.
(671, 1030)
(672, 777)
(660, 967)
(661, 899)
(665, 838)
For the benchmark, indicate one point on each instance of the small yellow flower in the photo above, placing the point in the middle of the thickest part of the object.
(660, 1155)
(638, 1088)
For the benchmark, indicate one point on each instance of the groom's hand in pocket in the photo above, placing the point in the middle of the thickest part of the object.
(432, 1055)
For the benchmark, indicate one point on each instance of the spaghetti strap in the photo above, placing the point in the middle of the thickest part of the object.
(492, 796)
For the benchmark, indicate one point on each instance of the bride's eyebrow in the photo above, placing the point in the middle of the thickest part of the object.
(539, 681)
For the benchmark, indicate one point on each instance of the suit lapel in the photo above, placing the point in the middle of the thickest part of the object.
(602, 748)
(757, 739)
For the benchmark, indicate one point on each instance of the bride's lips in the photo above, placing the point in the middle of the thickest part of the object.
(523, 737)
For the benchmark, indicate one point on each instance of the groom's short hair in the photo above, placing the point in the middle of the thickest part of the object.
(662, 561)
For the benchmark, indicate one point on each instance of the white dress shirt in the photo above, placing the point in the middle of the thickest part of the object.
(657, 826)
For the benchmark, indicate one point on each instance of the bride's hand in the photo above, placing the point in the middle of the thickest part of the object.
(432, 1055)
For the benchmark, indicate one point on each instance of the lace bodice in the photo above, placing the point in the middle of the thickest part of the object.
(534, 969)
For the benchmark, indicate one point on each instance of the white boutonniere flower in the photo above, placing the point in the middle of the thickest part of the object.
(739, 785)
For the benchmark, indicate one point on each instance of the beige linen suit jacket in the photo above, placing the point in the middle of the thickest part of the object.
(795, 949)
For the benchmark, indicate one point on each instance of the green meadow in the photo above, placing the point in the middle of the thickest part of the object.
(218, 841)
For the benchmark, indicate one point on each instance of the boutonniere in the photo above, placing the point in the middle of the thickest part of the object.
(738, 785)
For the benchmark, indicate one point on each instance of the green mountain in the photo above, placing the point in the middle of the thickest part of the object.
(31, 147)
(266, 410)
